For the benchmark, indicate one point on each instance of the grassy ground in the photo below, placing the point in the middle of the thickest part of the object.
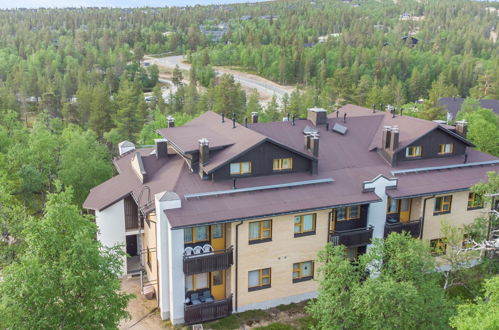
(282, 317)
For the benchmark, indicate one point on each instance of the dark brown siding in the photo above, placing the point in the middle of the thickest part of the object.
(261, 159)
(431, 143)
(131, 214)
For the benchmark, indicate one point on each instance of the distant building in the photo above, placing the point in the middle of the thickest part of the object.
(453, 105)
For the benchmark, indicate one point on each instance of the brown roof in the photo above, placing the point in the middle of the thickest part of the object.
(344, 158)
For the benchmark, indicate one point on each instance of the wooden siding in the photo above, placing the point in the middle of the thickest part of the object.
(208, 262)
(430, 144)
(131, 214)
(413, 228)
(261, 159)
(207, 311)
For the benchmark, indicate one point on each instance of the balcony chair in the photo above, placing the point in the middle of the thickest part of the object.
(188, 251)
(207, 248)
(207, 296)
(195, 299)
(198, 250)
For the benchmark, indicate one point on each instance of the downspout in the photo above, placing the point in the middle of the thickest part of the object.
(237, 261)
(422, 216)
(329, 219)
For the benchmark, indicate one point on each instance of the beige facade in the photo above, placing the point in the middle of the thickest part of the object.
(459, 214)
(279, 255)
(150, 258)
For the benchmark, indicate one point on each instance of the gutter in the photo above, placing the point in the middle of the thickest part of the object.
(237, 262)
(422, 216)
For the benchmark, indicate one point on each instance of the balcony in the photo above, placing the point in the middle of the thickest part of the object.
(413, 228)
(352, 237)
(207, 311)
(208, 262)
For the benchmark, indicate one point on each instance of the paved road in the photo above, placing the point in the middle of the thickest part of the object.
(265, 88)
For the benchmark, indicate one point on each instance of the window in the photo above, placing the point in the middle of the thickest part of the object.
(196, 282)
(303, 271)
(446, 149)
(196, 234)
(438, 246)
(218, 277)
(414, 151)
(217, 231)
(259, 279)
(260, 231)
(393, 206)
(282, 164)
(442, 205)
(240, 168)
(467, 240)
(475, 201)
(304, 225)
(348, 213)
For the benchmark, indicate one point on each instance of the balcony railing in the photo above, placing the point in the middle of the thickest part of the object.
(207, 311)
(352, 237)
(208, 262)
(413, 228)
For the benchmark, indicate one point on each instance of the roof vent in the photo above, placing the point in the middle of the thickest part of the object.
(125, 146)
(254, 117)
(309, 130)
(171, 121)
(462, 128)
(161, 148)
(318, 116)
(340, 129)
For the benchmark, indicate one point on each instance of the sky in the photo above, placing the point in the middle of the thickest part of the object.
(9, 4)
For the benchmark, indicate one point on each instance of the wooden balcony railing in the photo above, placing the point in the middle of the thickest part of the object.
(352, 237)
(208, 262)
(208, 311)
(413, 228)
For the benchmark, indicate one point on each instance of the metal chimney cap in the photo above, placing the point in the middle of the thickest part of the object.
(254, 113)
(170, 118)
(204, 141)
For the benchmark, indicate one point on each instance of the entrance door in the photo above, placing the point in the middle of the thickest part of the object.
(218, 284)
(218, 237)
(131, 245)
(405, 210)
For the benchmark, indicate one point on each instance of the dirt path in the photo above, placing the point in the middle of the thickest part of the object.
(140, 309)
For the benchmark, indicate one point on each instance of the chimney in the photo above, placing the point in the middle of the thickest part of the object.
(395, 138)
(161, 148)
(318, 116)
(171, 121)
(307, 141)
(314, 144)
(254, 117)
(138, 167)
(386, 137)
(462, 128)
(223, 117)
(204, 151)
(125, 146)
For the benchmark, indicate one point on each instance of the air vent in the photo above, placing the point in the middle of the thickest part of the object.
(340, 129)
(310, 130)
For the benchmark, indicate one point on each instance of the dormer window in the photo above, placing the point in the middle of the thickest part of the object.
(446, 149)
(240, 168)
(282, 164)
(414, 151)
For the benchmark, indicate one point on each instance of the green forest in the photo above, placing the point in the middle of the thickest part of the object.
(73, 82)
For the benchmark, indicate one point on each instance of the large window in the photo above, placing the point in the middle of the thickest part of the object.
(445, 149)
(259, 279)
(260, 231)
(442, 205)
(414, 151)
(475, 201)
(282, 164)
(196, 234)
(197, 282)
(304, 224)
(438, 246)
(303, 271)
(240, 168)
(348, 213)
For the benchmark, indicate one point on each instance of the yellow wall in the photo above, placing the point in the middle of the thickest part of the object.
(279, 255)
(459, 215)
(149, 240)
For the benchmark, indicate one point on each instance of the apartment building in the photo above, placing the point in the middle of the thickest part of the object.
(222, 216)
